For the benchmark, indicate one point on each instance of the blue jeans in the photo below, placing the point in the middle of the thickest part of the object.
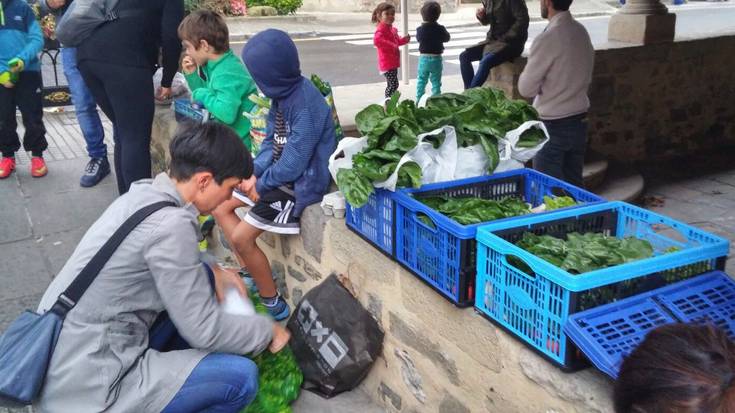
(487, 62)
(220, 383)
(563, 155)
(430, 68)
(84, 105)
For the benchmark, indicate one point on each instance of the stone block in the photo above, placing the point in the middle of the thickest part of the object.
(451, 405)
(162, 132)
(375, 307)
(262, 11)
(279, 277)
(286, 246)
(269, 238)
(410, 375)
(422, 343)
(389, 396)
(296, 274)
(296, 295)
(642, 28)
(313, 224)
(474, 335)
(588, 389)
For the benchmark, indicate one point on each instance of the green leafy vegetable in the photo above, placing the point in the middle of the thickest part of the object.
(355, 187)
(469, 211)
(280, 378)
(480, 116)
(588, 252)
(558, 202)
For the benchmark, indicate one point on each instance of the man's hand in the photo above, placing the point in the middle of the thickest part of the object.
(188, 65)
(8, 85)
(16, 65)
(407, 38)
(55, 4)
(224, 279)
(247, 186)
(480, 13)
(164, 93)
(280, 338)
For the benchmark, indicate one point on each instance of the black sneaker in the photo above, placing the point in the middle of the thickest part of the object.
(96, 169)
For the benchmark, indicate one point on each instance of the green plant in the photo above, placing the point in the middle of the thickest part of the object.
(282, 6)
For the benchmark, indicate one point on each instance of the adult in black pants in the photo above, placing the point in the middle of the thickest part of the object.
(117, 62)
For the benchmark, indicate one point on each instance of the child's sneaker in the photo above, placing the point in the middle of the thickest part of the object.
(38, 167)
(277, 307)
(7, 166)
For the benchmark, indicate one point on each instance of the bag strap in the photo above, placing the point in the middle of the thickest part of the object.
(69, 298)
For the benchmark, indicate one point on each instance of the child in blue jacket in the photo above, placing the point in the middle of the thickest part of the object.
(21, 40)
(291, 169)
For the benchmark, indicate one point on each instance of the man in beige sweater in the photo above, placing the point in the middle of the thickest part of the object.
(558, 74)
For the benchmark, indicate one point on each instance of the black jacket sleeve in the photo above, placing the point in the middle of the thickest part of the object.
(173, 13)
(519, 29)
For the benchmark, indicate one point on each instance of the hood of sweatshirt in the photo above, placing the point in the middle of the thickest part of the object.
(273, 62)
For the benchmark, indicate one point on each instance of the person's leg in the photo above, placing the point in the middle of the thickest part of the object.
(30, 102)
(93, 74)
(9, 140)
(89, 121)
(550, 159)
(391, 77)
(220, 383)
(422, 76)
(436, 76)
(471, 54)
(130, 95)
(574, 159)
(488, 61)
(84, 105)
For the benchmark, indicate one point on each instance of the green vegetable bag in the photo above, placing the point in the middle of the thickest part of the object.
(280, 378)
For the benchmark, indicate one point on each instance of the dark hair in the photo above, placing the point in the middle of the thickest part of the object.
(209, 147)
(431, 11)
(205, 25)
(679, 368)
(380, 8)
(561, 5)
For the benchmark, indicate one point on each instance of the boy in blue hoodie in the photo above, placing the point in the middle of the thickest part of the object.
(21, 41)
(291, 168)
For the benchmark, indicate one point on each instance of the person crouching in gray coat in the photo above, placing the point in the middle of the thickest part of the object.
(118, 350)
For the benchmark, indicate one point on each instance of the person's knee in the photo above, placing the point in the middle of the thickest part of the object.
(243, 240)
(463, 57)
(248, 373)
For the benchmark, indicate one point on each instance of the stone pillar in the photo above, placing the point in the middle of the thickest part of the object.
(642, 22)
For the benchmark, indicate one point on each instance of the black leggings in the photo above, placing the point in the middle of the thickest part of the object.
(392, 77)
(27, 97)
(125, 94)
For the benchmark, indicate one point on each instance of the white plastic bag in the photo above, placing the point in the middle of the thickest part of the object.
(513, 157)
(179, 87)
(471, 161)
(437, 165)
(236, 304)
(342, 156)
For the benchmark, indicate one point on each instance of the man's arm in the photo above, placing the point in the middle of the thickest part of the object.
(540, 60)
(520, 26)
(181, 281)
(223, 97)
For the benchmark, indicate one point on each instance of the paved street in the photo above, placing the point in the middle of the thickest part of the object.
(350, 59)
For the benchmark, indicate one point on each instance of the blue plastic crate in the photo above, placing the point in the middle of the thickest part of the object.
(374, 221)
(444, 256)
(535, 306)
(185, 110)
(609, 333)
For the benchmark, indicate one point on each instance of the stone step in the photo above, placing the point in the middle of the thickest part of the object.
(595, 170)
(623, 183)
(351, 401)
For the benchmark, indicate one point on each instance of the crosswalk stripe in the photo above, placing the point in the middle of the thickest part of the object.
(459, 31)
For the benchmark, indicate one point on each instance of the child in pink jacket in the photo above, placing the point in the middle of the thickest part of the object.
(387, 41)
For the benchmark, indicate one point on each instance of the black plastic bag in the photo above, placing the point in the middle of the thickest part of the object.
(335, 340)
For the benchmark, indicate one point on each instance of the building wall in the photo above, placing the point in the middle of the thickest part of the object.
(656, 101)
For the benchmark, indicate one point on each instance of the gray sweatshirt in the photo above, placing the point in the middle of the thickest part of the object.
(102, 361)
(559, 69)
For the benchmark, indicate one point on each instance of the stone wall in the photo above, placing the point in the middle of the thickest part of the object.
(369, 5)
(436, 358)
(656, 101)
